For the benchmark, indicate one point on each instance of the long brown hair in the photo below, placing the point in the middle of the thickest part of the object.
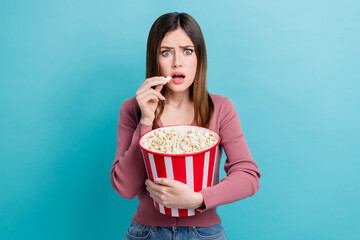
(203, 105)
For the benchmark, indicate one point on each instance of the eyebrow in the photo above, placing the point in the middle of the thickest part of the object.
(187, 46)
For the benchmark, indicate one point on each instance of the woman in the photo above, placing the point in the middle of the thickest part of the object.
(176, 48)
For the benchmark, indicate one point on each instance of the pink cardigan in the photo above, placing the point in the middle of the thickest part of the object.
(128, 172)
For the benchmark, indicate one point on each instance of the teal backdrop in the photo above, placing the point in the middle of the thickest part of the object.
(289, 67)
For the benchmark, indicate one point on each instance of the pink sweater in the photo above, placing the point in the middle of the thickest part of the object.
(128, 172)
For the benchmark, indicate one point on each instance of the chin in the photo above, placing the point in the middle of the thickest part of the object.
(178, 88)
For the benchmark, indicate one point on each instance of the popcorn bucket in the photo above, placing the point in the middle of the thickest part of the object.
(197, 169)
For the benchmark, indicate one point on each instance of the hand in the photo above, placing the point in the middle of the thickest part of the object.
(174, 194)
(148, 97)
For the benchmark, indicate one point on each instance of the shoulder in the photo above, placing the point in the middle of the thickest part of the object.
(224, 110)
(130, 104)
(216, 97)
(221, 102)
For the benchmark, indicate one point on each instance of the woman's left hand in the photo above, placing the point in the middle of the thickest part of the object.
(174, 194)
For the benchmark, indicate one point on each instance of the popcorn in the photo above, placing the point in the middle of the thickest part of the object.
(168, 78)
(173, 140)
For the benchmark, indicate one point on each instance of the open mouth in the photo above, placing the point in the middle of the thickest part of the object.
(178, 76)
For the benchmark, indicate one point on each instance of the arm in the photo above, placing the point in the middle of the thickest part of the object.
(242, 171)
(128, 172)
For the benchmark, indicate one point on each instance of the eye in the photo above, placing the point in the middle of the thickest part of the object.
(188, 51)
(166, 53)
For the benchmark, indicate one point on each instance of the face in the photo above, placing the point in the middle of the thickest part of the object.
(177, 59)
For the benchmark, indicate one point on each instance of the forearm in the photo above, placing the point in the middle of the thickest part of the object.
(231, 189)
(128, 171)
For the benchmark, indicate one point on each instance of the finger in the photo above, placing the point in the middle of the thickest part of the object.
(154, 194)
(144, 95)
(157, 84)
(156, 198)
(150, 184)
(151, 191)
(149, 85)
(154, 187)
(153, 81)
(159, 190)
(159, 87)
(165, 182)
(145, 99)
(157, 93)
(151, 96)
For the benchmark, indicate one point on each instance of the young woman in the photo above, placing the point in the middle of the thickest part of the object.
(176, 48)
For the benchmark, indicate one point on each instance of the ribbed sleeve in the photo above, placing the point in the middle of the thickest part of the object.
(128, 172)
(242, 171)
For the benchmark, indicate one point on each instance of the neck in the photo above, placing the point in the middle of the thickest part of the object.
(177, 99)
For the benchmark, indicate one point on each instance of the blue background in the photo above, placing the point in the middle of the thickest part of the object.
(289, 67)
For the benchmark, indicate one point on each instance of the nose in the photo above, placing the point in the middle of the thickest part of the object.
(177, 61)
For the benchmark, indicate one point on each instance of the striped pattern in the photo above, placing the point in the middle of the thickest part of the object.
(197, 172)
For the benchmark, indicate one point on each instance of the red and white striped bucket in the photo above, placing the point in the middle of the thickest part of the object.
(197, 170)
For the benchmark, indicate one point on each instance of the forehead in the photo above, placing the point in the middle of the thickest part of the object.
(177, 37)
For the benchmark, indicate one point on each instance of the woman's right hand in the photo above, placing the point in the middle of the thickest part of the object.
(148, 98)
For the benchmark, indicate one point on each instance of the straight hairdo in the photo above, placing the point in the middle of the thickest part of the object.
(203, 105)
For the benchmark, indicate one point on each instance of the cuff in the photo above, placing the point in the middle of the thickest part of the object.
(207, 200)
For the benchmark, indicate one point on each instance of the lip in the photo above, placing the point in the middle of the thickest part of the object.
(178, 80)
(177, 73)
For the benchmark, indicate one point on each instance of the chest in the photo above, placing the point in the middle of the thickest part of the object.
(175, 117)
